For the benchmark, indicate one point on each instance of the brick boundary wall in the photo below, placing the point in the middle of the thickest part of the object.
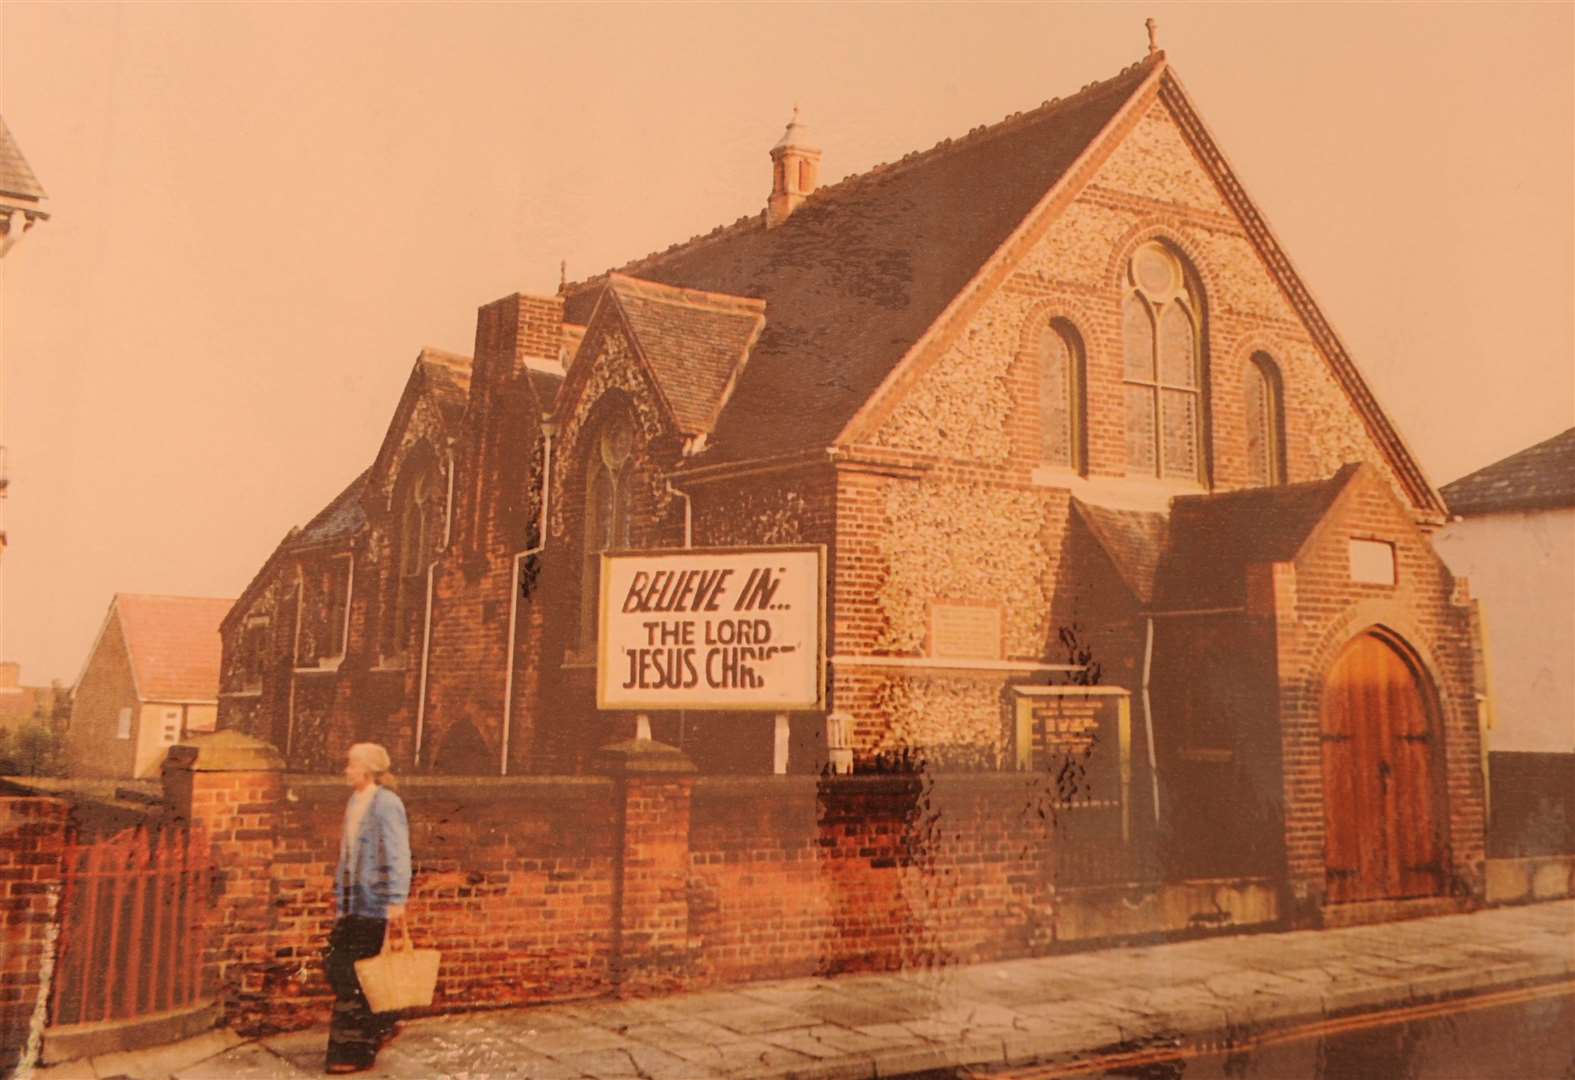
(1533, 804)
(32, 839)
(644, 880)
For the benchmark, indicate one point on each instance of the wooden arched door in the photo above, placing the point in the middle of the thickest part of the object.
(1380, 820)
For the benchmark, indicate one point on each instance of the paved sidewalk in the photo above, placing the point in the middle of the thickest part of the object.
(889, 1025)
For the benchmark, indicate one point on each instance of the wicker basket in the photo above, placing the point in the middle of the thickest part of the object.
(398, 978)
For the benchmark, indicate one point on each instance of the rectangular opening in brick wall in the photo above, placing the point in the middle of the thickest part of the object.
(1372, 562)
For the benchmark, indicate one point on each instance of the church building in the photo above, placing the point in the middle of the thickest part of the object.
(1081, 449)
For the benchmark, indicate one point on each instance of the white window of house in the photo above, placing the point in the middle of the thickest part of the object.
(169, 734)
(1373, 562)
(123, 724)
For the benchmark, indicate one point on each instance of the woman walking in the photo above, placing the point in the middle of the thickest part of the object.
(370, 889)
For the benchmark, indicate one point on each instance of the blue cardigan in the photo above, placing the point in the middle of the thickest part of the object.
(377, 870)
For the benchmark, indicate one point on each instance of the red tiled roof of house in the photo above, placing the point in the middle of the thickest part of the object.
(174, 644)
(1538, 477)
(863, 268)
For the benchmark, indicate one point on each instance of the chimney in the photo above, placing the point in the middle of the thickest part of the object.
(795, 169)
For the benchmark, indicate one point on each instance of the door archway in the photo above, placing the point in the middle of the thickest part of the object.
(1378, 728)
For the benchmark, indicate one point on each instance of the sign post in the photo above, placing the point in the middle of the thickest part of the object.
(718, 629)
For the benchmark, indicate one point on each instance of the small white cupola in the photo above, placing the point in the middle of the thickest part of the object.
(795, 169)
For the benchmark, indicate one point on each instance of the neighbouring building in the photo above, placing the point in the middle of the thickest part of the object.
(1513, 533)
(20, 704)
(21, 195)
(150, 680)
(21, 207)
(1081, 449)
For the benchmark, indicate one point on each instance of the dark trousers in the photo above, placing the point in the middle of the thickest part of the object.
(355, 1031)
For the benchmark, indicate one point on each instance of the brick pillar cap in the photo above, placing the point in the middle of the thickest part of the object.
(643, 757)
(224, 751)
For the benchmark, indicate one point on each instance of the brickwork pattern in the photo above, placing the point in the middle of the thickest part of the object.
(555, 889)
(1325, 610)
(32, 838)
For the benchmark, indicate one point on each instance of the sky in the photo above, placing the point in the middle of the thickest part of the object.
(261, 213)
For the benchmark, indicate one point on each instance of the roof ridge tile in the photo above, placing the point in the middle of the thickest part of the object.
(883, 169)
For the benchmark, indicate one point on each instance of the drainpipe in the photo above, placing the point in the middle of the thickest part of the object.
(426, 619)
(1148, 713)
(683, 717)
(688, 512)
(448, 505)
(295, 652)
(547, 429)
(426, 646)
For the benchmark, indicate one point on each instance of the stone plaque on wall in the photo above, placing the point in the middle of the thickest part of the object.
(965, 631)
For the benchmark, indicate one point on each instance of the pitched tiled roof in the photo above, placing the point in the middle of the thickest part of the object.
(174, 644)
(340, 519)
(447, 378)
(1214, 538)
(864, 267)
(695, 343)
(1538, 477)
(1134, 540)
(16, 175)
(546, 384)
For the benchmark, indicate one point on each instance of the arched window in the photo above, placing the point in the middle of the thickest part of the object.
(1161, 331)
(1061, 397)
(607, 490)
(1265, 422)
(416, 525)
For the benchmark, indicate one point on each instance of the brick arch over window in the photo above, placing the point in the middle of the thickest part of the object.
(1163, 316)
(1062, 363)
(1263, 390)
(1158, 229)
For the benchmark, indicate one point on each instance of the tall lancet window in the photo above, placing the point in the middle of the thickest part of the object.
(607, 491)
(1265, 422)
(1161, 331)
(1061, 397)
(417, 501)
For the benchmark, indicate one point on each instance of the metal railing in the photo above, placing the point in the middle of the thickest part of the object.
(131, 926)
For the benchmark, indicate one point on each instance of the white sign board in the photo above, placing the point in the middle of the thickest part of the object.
(712, 628)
